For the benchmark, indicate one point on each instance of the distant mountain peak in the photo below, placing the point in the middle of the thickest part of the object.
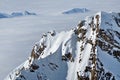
(76, 10)
(16, 14)
(91, 51)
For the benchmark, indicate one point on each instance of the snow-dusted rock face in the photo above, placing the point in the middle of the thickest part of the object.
(89, 52)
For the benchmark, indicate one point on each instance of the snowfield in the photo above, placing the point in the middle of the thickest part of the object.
(19, 34)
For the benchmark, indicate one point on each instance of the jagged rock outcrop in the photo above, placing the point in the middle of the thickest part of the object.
(89, 52)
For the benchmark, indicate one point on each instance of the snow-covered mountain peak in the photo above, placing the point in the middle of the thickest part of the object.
(91, 51)
(76, 10)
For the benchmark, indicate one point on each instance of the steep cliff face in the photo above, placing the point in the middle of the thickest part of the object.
(89, 52)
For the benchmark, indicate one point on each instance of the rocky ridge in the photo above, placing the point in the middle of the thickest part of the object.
(91, 51)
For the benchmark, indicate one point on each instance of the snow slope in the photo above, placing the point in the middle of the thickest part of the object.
(91, 52)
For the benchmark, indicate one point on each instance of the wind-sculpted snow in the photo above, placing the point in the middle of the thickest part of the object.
(76, 10)
(16, 14)
(91, 51)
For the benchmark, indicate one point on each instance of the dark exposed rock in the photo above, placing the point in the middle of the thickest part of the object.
(117, 21)
(82, 23)
(68, 56)
(34, 66)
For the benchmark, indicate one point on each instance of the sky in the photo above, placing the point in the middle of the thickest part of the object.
(19, 34)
